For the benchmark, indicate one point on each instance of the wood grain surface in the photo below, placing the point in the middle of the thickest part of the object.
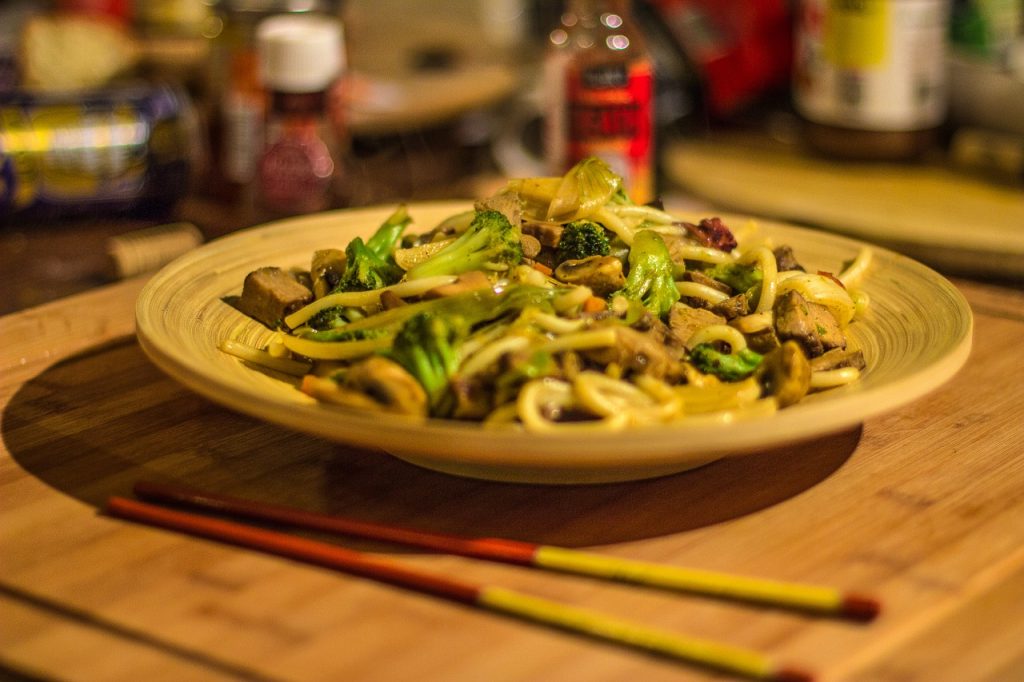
(923, 507)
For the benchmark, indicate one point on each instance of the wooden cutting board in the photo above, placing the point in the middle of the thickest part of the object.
(923, 507)
(954, 222)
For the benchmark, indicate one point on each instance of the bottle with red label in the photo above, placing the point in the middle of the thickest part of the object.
(599, 94)
(301, 56)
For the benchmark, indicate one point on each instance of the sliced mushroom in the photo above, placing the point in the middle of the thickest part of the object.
(327, 268)
(602, 274)
(302, 277)
(531, 246)
(838, 358)
(785, 373)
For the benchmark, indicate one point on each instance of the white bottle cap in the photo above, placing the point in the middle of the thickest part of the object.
(300, 52)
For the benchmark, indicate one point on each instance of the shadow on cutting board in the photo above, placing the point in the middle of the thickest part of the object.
(95, 423)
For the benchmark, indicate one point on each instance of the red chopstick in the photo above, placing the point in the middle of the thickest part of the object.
(810, 598)
(708, 653)
(509, 551)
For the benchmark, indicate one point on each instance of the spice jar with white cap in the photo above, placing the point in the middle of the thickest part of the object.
(301, 57)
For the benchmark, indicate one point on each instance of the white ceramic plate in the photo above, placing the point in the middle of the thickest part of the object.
(916, 335)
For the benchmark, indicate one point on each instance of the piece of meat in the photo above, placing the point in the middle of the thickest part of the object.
(733, 307)
(810, 324)
(763, 341)
(676, 243)
(603, 274)
(508, 204)
(698, 277)
(326, 270)
(684, 321)
(651, 325)
(758, 329)
(548, 234)
(785, 259)
(711, 232)
(637, 352)
(270, 294)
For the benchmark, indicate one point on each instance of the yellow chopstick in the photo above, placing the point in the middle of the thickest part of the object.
(724, 657)
(799, 596)
(810, 598)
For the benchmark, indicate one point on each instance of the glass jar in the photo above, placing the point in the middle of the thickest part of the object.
(870, 76)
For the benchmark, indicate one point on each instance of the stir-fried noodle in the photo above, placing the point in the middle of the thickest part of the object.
(551, 310)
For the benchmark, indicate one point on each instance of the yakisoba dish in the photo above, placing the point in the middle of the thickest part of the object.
(558, 303)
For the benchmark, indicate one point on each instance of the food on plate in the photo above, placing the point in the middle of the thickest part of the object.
(555, 304)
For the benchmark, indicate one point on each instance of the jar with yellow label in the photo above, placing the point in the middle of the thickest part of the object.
(870, 75)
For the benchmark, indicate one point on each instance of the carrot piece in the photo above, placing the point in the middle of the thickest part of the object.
(594, 305)
(541, 268)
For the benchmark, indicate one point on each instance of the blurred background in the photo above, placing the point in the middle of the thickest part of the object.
(121, 116)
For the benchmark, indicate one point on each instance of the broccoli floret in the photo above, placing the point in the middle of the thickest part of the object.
(335, 316)
(581, 239)
(490, 242)
(427, 346)
(387, 236)
(369, 265)
(650, 279)
(340, 334)
(725, 366)
(365, 270)
(742, 278)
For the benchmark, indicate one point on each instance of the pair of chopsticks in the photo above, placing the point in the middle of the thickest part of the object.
(807, 598)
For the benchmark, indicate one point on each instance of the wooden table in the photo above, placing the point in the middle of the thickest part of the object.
(924, 507)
